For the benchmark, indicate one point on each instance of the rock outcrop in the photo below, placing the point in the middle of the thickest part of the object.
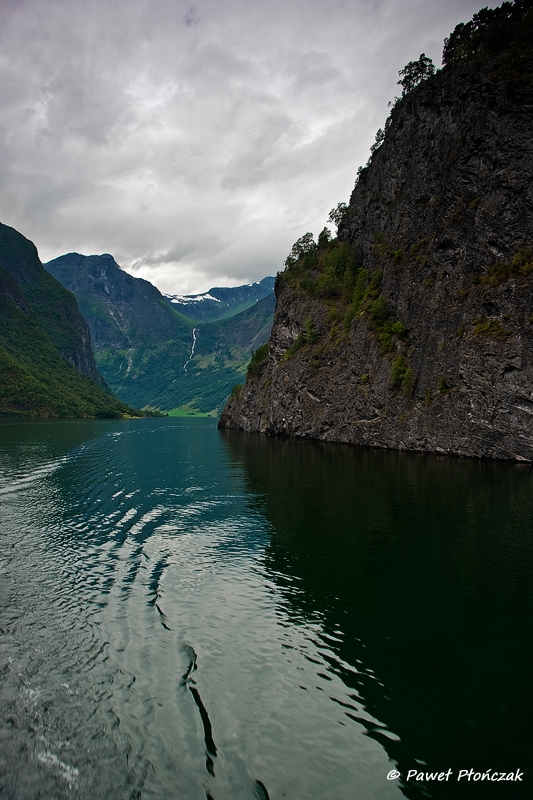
(414, 328)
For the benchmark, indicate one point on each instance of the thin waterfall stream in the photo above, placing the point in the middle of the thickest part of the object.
(194, 330)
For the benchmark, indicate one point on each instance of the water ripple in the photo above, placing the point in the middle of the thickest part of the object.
(154, 653)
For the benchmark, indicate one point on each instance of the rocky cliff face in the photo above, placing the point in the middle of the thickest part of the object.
(414, 329)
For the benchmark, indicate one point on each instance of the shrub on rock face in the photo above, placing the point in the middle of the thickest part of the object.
(378, 310)
(415, 72)
(337, 214)
(311, 333)
(402, 376)
(235, 392)
(398, 370)
(304, 245)
(258, 356)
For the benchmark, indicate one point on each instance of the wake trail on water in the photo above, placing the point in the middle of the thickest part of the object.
(260, 790)
(134, 564)
(210, 746)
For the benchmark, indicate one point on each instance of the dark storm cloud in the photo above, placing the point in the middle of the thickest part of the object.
(197, 141)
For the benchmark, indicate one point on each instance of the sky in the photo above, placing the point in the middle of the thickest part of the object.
(196, 142)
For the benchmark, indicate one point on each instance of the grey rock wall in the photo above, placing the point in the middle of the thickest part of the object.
(447, 197)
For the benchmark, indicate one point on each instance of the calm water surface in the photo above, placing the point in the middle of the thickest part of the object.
(190, 614)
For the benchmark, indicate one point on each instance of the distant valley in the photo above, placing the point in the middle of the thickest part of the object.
(174, 353)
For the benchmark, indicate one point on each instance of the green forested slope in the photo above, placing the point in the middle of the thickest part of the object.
(142, 343)
(55, 309)
(36, 379)
(221, 354)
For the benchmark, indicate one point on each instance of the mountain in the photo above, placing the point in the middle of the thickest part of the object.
(413, 329)
(46, 363)
(148, 351)
(221, 302)
(137, 338)
(221, 354)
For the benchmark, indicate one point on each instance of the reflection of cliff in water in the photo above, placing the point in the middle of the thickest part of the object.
(424, 565)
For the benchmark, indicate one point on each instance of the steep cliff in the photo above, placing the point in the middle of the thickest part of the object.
(56, 310)
(414, 328)
(47, 367)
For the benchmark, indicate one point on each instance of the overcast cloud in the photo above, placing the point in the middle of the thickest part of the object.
(196, 142)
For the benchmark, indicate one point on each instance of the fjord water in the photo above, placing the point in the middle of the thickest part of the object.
(193, 614)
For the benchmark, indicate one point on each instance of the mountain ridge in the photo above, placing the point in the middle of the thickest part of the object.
(220, 302)
(47, 368)
(142, 340)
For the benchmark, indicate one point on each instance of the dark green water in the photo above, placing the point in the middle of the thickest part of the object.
(190, 614)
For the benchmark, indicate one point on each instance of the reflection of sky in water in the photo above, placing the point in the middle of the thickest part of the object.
(337, 604)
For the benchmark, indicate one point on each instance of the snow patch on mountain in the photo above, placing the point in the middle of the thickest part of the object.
(191, 298)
